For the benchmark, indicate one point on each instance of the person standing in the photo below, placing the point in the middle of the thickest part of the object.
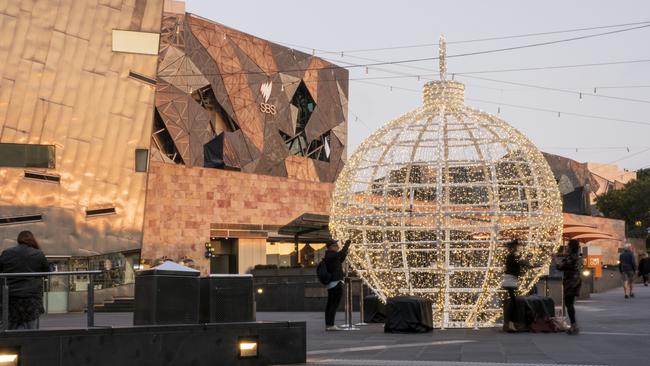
(627, 267)
(571, 281)
(644, 268)
(511, 274)
(334, 258)
(25, 293)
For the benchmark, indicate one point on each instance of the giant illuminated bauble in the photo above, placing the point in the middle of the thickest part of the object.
(430, 199)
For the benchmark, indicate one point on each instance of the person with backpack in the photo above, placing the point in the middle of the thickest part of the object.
(330, 273)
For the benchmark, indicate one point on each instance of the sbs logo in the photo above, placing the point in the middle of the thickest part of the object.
(267, 108)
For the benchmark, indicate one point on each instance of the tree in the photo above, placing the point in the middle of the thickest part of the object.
(643, 173)
(631, 203)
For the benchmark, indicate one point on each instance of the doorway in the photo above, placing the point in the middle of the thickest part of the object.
(56, 288)
(224, 259)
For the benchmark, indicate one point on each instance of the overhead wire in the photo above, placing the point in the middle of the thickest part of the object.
(414, 60)
(629, 156)
(577, 93)
(479, 39)
(644, 123)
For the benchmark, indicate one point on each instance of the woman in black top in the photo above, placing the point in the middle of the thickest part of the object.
(26, 293)
(571, 283)
(514, 265)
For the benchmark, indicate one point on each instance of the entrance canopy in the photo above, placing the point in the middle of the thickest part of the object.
(308, 226)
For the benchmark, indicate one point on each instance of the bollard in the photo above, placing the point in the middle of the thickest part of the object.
(361, 304)
(348, 306)
(91, 302)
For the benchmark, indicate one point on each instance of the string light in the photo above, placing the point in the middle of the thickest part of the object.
(430, 199)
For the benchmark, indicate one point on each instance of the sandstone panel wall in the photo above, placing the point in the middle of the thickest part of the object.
(182, 202)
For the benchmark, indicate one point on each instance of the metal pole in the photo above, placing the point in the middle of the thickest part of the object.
(348, 315)
(361, 311)
(348, 306)
(91, 302)
(5, 304)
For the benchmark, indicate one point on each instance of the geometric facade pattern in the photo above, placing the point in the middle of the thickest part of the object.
(228, 99)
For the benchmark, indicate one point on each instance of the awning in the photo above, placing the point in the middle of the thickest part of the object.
(308, 226)
(589, 237)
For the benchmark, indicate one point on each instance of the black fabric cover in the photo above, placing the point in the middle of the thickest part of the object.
(408, 314)
(374, 311)
(529, 309)
(213, 153)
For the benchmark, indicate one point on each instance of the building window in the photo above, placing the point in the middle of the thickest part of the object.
(27, 156)
(283, 254)
(20, 219)
(163, 142)
(141, 160)
(100, 212)
(319, 148)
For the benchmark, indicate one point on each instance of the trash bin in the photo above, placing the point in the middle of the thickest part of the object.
(167, 294)
(227, 298)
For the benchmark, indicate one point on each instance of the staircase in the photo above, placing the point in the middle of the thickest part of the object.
(117, 305)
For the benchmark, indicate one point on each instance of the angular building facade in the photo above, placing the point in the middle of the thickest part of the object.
(132, 132)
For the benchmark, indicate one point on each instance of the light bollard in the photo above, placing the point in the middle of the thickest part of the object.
(348, 306)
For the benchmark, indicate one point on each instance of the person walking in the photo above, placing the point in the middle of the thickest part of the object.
(25, 293)
(571, 282)
(644, 268)
(334, 258)
(511, 273)
(627, 267)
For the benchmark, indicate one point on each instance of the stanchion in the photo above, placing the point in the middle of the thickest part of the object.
(348, 306)
(5, 305)
(361, 304)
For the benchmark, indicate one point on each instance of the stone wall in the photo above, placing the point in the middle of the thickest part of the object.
(182, 202)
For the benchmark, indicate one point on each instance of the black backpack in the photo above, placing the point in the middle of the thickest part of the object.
(324, 276)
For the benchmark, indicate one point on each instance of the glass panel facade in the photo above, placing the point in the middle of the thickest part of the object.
(117, 269)
(27, 156)
(281, 253)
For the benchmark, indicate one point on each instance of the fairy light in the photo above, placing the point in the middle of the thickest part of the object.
(430, 199)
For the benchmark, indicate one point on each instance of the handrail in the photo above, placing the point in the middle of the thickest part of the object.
(5, 292)
(48, 274)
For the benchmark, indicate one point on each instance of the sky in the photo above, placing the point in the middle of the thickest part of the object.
(333, 26)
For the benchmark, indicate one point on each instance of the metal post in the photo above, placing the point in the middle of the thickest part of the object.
(91, 302)
(361, 300)
(5, 304)
(348, 306)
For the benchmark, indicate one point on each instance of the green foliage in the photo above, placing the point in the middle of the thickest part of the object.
(643, 173)
(632, 204)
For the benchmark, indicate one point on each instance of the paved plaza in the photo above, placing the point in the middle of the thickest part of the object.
(615, 331)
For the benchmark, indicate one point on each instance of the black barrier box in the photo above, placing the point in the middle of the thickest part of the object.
(227, 298)
(408, 314)
(167, 294)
